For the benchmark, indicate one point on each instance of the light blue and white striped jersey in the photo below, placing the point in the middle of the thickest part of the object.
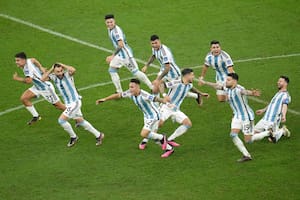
(178, 91)
(145, 103)
(32, 71)
(220, 63)
(273, 112)
(164, 56)
(116, 34)
(239, 103)
(66, 87)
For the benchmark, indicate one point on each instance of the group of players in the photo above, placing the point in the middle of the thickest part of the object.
(157, 110)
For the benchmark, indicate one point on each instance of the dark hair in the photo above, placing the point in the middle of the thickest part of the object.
(234, 76)
(21, 55)
(109, 16)
(56, 65)
(214, 42)
(287, 80)
(186, 71)
(154, 37)
(134, 80)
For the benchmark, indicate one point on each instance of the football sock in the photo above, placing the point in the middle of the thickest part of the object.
(259, 136)
(278, 134)
(192, 95)
(141, 76)
(239, 144)
(87, 126)
(145, 140)
(155, 136)
(116, 81)
(32, 110)
(67, 127)
(178, 132)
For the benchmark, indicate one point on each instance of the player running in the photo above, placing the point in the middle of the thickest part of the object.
(62, 76)
(243, 118)
(178, 90)
(145, 103)
(169, 71)
(221, 62)
(33, 71)
(275, 113)
(122, 56)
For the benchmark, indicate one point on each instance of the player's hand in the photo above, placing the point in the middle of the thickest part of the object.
(166, 99)
(144, 69)
(283, 119)
(100, 101)
(205, 95)
(259, 112)
(201, 81)
(255, 92)
(109, 58)
(15, 76)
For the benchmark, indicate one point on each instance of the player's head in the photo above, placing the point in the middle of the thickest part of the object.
(283, 82)
(188, 74)
(58, 70)
(215, 47)
(110, 21)
(155, 42)
(134, 86)
(231, 80)
(20, 59)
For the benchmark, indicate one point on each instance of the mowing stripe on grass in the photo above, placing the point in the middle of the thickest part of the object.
(67, 37)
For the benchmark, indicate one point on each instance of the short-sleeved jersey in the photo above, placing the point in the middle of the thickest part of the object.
(116, 34)
(32, 71)
(239, 103)
(145, 102)
(220, 63)
(178, 91)
(273, 112)
(164, 56)
(66, 87)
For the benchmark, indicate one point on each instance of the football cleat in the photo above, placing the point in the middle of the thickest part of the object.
(99, 139)
(72, 141)
(272, 137)
(164, 142)
(244, 159)
(34, 119)
(173, 143)
(286, 131)
(167, 153)
(199, 100)
(142, 145)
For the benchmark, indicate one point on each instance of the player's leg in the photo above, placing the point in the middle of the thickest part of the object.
(26, 100)
(51, 96)
(132, 66)
(281, 132)
(114, 66)
(261, 130)
(63, 122)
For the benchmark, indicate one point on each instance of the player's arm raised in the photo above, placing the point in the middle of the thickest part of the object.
(111, 97)
(71, 70)
(45, 76)
(150, 61)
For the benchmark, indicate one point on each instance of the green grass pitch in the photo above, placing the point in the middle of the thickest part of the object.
(35, 162)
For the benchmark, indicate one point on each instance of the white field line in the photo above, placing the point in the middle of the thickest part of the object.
(67, 37)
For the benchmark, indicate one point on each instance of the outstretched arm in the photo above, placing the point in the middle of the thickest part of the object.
(213, 85)
(261, 111)
(111, 97)
(252, 92)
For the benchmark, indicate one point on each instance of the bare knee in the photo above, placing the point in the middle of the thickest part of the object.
(187, 122)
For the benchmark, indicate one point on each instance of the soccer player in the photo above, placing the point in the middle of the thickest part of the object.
(243, 118)
(62, 76)
(169, 71)
(122, 56)
(33, 71)
(178, 90)
(221, 62)
(145, 103)
(275, 113)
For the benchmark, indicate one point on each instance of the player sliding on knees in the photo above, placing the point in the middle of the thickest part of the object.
(145, 103)
(122, 56)
(33, 71)
(243, 118)
(178, 90)
(169, 71)
(62, 76)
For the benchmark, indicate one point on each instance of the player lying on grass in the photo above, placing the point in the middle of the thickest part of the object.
(178, 90)
(122, 56)
(221, 62)
(275, 113)
(33, 71)
(145, 103)
(169, 70)
(243, 118)
(62, 76)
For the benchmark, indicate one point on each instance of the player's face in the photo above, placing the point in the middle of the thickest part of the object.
(59, 72)
(190, 77)
(134, 89)
(20, 62)
(215, 49)
(230, 82)
(155, 44)
(110, 23)
(281, 83)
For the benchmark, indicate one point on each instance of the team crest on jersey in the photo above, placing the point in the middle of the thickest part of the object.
(165, 59)
(229, 62)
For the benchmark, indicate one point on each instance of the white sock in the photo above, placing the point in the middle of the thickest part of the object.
(278, 134)
(239, 144)
(260, 136)
(87, 126)
(32, 110)
(145, 140)
(155, 136)
(116, 80)
(178, 132)
(141, 76)
(67, 127)
(192, 95)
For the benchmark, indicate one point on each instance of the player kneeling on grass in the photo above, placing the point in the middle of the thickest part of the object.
(178, 90)
(275, 113)
(243, 118)
(62, 76)
(145, 103)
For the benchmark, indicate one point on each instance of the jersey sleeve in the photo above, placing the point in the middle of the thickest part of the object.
(228, 60)
(28, 72)
(146, 96)
(207, 61)
(52, 76)
(126, 94)
(286, 99)
(173, 83)
(166, 55)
